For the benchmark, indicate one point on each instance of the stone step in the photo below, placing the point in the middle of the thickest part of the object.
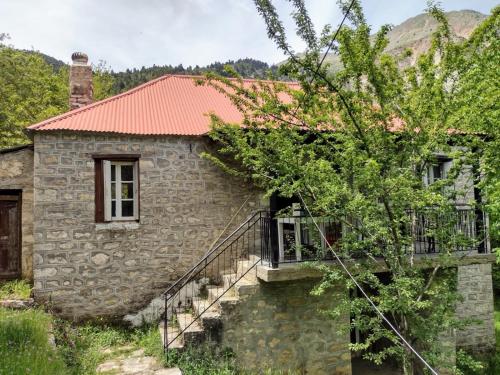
(211, 318)
(205, 310)
(216, 293)
(229, 280)
(245, 287)
(191, 328)
(254, 258)
(245, 268)
(172, 334)
(241, 286)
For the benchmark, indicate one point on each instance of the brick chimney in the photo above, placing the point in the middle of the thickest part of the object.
(80, 81)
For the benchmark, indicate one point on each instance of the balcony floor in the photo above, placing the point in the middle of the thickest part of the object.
(304, 270)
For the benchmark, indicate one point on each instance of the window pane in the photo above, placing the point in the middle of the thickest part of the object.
(113, 190)
(127, 208)
(128, 190)
(113, 208)
(113, 172)
(127, 173)
(437, 172)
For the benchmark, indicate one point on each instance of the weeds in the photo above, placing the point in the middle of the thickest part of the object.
(202, 360)
(15, 289)
(24, 344)
(84, 347)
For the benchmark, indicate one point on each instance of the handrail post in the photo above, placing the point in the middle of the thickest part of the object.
(165, 325)
(273, 234)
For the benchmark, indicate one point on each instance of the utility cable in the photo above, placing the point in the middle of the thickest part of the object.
(365, 294)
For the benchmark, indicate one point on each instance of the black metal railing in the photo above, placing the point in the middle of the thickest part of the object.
(430, 231)
(463, 229)
(269, 239)
(192, 295)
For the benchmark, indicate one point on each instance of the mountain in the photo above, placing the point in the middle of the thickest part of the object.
(52, 61)
(130, 78)
(416, 33)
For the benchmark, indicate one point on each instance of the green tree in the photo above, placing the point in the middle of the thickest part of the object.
(356, 145)
(30, 91)
(476, 108)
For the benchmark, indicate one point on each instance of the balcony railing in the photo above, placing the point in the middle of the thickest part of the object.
(295, 238)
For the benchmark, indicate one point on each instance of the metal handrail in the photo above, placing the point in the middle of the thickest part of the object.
(176, 299)
(207, 255)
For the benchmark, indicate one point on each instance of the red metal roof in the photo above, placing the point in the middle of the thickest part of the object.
(169, 105)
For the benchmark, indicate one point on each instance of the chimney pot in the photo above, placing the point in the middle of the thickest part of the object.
(80, 81)
(79, 58)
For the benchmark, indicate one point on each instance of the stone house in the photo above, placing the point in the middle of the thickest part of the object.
(112, 204)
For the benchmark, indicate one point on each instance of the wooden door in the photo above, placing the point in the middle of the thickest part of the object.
(10, 230)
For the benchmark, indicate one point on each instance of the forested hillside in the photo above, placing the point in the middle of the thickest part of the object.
(247, 68)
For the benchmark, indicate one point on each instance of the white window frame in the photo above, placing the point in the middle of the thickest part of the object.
(118, 185)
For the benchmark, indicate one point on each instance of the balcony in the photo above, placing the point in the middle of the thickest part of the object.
(428, 232)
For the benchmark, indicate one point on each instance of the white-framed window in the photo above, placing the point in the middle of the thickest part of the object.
(121, 190)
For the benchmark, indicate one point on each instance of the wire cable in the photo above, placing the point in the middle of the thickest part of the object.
(365, 294)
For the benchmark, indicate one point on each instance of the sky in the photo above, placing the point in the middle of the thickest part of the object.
(136, 33)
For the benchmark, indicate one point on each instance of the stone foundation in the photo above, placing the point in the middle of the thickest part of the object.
(475, 285)
(280, 326)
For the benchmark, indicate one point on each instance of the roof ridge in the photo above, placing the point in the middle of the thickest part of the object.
(77, 111)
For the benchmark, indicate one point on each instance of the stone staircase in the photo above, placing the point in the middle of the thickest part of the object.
(203, 321)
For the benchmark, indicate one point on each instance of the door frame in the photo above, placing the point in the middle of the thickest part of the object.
(15, 195)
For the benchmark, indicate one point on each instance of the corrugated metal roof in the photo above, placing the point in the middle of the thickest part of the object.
(169, 105)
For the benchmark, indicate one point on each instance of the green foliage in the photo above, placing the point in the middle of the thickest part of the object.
(495, 272)
(248, 68)
(24, 344)
(31, 91)
(203, 360)
(356, 145)
(476, 105)
(15, 289)
(468, 365)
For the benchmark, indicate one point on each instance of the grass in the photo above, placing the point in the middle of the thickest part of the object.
(15, 289)
(494, 363)
(24, 347)
(84, 347)
(202, 361)
(497, 322)
(24, 344)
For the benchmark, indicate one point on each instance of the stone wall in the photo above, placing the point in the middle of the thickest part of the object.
(88, 269)
(16, 173)
(280, 326)
(475, 286)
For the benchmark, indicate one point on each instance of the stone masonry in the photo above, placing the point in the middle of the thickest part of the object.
(282, 326)
(475, 285)
(80, 81)
(16, 173)
(87, 269)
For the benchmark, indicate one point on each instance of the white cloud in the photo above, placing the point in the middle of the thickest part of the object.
(133, 33)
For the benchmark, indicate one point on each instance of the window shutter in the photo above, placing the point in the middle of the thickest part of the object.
(107, 189)
(136, 190)
(99, 191)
